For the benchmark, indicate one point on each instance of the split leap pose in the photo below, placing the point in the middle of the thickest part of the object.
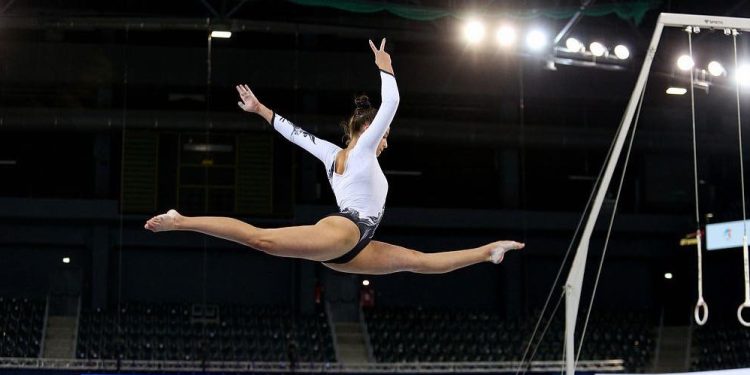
(343, 240)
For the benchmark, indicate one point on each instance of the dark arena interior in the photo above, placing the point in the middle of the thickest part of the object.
(606, 136)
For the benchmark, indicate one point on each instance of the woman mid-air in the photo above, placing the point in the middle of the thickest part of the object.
(341, 241)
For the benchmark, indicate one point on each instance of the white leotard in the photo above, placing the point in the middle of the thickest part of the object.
(362, 188)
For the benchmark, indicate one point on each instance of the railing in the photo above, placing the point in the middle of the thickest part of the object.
(332, 328)
(612, 365)
(44, 328)
(660, 333)
(366, 334)
(77, 325)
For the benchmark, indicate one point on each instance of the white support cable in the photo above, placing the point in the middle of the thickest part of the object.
(565, 258)
(746, 269)
(701, 305)
(611, 224)
(546, 327)
(522, 363)
(559, 271)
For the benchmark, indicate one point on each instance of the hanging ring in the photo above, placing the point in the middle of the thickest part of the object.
(701, 307)
(742, 320)
(745, 304)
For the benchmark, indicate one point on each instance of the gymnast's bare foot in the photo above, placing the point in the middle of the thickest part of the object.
(498, 249)
(163, 222)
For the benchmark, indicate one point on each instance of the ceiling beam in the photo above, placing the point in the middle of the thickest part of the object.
(6, 6)
(571, 22)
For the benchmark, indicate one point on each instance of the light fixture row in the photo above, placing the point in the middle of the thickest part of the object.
(597, 49)
(475, 31)
(505, 35)
(715, 68)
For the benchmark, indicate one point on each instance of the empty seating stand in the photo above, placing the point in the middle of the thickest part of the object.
(720, 346)
(174, 332)
(430, 335)
(21, 323)
(420, 335)
(629, 336)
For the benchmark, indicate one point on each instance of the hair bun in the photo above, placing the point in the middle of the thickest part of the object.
(362, 102)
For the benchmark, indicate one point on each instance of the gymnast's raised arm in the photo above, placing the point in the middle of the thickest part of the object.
(320, 148)
(390, 99)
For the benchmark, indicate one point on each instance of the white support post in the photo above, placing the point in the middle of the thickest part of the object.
(575, 276)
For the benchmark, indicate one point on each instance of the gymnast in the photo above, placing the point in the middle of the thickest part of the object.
(341, 241)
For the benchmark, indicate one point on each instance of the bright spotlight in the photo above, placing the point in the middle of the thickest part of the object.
(506, 36)
(622, 52)
(668, 276)
(536, 40)
(221, 34)
(66, 260)
(365, 282)
(597, 49)
(676, 91)
(715, 68)
(743, 75)
(474, 31)
(573, 44)
(685, 62)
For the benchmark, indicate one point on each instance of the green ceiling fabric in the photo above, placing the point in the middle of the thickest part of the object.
(634, 11)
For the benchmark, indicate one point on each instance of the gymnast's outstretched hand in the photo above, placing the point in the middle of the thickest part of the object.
(382, 58)
(249, 103)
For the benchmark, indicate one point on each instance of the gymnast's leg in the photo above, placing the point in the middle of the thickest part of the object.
(329, 238)
(380, 258)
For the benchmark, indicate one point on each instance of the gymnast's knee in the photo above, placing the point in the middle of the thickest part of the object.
(416, 261)
(263, 240)
(425, 263)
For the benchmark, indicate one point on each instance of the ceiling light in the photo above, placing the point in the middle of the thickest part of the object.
(536, 40)
(597, 49)
(506, 36)
(676, 91)
(715, 68)
(474, 32)
(224, 34)
(573, 44)
(685, 62)
(622, 52)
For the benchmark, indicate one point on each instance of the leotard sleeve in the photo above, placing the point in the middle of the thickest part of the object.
(320, 148)
(389, 93)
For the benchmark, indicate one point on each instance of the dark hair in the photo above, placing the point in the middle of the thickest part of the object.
(363, 114)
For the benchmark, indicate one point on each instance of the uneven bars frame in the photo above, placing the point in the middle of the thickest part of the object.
(574, 281)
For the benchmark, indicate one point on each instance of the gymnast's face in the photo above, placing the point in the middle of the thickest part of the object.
(383, 143)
